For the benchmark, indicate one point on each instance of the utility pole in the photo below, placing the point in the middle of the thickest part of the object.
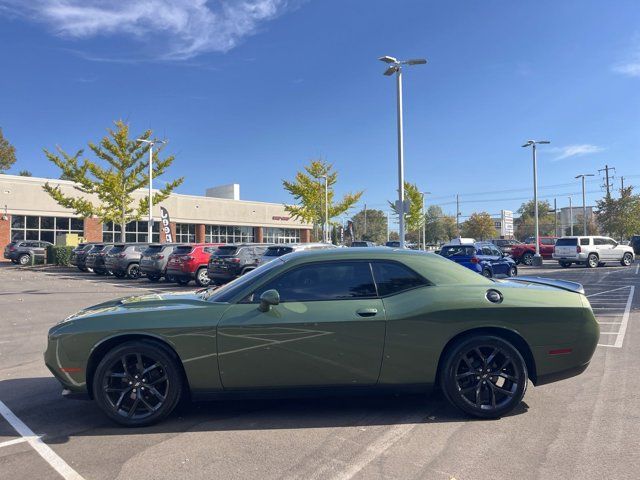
(606, 170)
(537, 259)
(584, 203)
(365, 219)
(621, 183)
(458, 213)
(555, 217)
(571, 216)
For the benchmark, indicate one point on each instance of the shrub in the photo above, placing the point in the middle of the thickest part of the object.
(59, 255)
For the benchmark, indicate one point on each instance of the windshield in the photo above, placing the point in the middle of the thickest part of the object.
(183, 249)
(567, 242)
(226, 292)
(116, 249)
(277, 251)
(458, 250)
(153, 249)
(226, 250)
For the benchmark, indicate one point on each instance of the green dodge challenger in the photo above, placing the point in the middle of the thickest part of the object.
(342, 319)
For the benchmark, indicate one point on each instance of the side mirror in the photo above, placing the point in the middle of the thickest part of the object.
(267, 299)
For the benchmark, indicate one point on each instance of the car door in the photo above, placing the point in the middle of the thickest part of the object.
(602, 248)
(487, 257)
(328, 329)
(500, 265)
(546, 247)
(613, 253)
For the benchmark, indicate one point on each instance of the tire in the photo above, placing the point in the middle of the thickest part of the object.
(183, 281)
(513, 271)
(565, 264)
(467, 381)
(133, 271)
(153, 278)
(486, 273)
(527, 258)
(24, 259)
(627, 259)
(202, 278)
(130, 400)
(592, 260)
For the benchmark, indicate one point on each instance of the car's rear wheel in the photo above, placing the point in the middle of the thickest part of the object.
(202, 277)
(137, 383)
(527, 258)
(24, 259)
(592, 260)
(513, 271)
(484, 376)
(565, 264)
(486, 273)
(133, 271)
(627, 259)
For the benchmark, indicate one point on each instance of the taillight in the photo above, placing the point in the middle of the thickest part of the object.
(475, 260)
(233, 260)
(578, 249)
(186, 258)
(158, 256)
(121, 255)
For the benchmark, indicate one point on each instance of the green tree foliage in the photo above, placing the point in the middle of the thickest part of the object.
(619, 217)
(124, 169)
(578, 226)
(525, 225)
(370, 225)
(479, 226)
(25, 173)
(7, 153)
(308, 190)
(439, 227)
(413, 219)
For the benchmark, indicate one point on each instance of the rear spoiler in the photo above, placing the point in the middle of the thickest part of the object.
(562, 284)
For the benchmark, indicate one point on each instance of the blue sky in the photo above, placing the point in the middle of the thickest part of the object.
(249, 92)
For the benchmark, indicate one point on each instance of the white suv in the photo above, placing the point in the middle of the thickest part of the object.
(591, 251)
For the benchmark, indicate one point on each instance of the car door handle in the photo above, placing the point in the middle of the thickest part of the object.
(367, 312)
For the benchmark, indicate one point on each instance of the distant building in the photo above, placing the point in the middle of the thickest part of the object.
(566, 215)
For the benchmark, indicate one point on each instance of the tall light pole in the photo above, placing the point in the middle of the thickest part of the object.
(571, 216)
(537, 259)
(584, 202)
(151, 143)
(424, 223)
(395, 66)
(326, 209)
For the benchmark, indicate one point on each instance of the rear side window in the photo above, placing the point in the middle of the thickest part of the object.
(394, 278)
(152, 249)
(226, 250)
(277, 251)
(584, 241)
(567, 242)
(457, 251)
(116, 249)
(547, 241)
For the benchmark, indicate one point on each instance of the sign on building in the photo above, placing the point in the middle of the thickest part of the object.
(506, 225)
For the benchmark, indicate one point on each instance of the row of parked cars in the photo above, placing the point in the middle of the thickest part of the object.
(181, 263)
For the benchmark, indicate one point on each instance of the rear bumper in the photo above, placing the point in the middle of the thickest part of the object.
(152, 269)
(562, 375)
(180, 273)
(581, 257)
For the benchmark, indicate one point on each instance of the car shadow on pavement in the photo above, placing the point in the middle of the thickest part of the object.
(38, 403)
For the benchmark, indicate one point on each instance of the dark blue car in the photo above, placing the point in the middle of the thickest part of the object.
(482, 257)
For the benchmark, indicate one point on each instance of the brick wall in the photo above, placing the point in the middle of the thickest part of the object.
(92, 229)
(305, 236)
(5, 233)
(199, 233)
(258, 234)
(172, 226)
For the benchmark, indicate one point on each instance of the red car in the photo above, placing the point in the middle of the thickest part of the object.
(523, 253)
(189, 262)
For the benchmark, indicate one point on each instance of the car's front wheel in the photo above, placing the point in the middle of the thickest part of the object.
(627, 259)
(513, 271)
(24, 259)
(592, 260)
(486, 273)
(527, 258)
(484, 376)
(137, 383)
(133, 271)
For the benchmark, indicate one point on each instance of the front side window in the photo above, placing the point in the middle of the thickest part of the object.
(547, 241)
(599, 241)
(325, 281)
(392, 278)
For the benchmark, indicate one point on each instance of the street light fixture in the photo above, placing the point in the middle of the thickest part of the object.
(424, 222)
(537, 259)
(326, 209)
(395, 66)
(151, 143)
(584, 202)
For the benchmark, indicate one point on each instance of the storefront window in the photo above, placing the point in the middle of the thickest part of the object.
(135, 232)
(281, 235)
(185, 233)
(43, 228)
(228, 234)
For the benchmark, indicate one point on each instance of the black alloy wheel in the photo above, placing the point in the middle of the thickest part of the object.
(486, 273)
(484, 376)
(137, 383)
(592, 260)
(133, 271)
(627, 259)
(527, 258)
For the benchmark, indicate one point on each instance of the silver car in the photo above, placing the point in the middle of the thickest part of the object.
(153, 261)
(275, 251)
(591, 251)
(124, 259)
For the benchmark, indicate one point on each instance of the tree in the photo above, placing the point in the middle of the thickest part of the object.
(7, 153)
(450, 227)
(525, 224)
(370, 225)
(25, 173)
(479, 226)
(127, 163)
(619, 217)
(308, 190)
(413, 219)
(438, 226)
(578, 227)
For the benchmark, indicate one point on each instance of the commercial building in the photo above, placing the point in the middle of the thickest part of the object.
(504, 224)
(27, 212)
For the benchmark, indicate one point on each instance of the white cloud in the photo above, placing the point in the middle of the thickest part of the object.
(181, 28)
(630, 69)
(575, 151)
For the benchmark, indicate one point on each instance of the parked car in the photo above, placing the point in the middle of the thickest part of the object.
(336, 318)
(392, 244)
(505, 244)
(124, 259)
(231, 261)
(80, 251)
(82, 255)
(481, 257)
(190, 262)
(275, 251)
(153, 261)
(524, 252)
(591, 251)
(21, 251)
(363, 244)
(634, 243)
(96, 260)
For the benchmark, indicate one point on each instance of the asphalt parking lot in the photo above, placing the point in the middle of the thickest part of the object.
(584, 427)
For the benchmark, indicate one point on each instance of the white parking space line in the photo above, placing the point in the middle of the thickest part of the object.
(605, 313)
(51, 457)
(625, 319)
(14, 441)
(607, 291)
(637, 268)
